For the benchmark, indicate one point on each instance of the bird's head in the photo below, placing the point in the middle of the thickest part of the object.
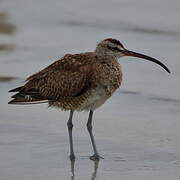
(113, 47)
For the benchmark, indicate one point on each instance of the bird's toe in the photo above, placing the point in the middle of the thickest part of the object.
(96, 157)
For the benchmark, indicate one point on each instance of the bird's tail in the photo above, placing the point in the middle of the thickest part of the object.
(22, 97)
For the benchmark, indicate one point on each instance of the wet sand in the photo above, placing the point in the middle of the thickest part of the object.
(137, 130)
(134, 144)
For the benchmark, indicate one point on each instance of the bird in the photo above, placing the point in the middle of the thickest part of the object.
(79, 82)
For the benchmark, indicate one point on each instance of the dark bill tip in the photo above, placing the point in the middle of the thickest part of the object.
(142, 56)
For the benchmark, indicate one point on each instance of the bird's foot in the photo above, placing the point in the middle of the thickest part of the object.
(72, 157)
(96, 157)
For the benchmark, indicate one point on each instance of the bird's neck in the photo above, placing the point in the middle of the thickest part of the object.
(104, 55)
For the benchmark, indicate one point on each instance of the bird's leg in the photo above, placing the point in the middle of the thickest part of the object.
(89, 127)
(70, 127)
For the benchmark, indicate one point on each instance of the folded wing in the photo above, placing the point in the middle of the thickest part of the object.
(67, 77)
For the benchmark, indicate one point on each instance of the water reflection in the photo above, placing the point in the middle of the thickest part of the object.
(94, 174)
(72, 169)
(96, 164)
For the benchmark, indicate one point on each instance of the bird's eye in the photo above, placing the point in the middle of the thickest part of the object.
(113, 48)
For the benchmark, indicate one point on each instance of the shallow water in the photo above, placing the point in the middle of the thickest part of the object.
(137, 130)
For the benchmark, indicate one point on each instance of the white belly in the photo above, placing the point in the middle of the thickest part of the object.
(95, 100)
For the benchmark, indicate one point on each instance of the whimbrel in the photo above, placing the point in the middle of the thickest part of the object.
(79, 82)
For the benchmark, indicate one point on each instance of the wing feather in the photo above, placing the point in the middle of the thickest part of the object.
(67, 77)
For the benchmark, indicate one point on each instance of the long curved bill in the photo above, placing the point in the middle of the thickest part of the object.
(135, 54)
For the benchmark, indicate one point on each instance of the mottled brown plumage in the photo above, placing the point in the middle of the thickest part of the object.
(70, 82)
(78, 82)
